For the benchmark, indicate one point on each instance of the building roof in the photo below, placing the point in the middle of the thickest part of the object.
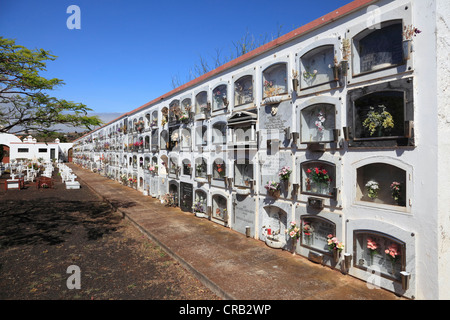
(311, 26)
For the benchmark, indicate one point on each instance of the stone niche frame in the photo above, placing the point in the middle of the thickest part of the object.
(216, 197)
(218, 145)
(397, 88)
(243, 214)
(236, 78)
(275, 123)
(323, 256)
(226, 106)
(219, 182)
(175, 185)
(205, 206)
(406, 238)
(409, 193)
(266, 219)
(192, 105)
(269, 167)
(288, 76)
(332, 201)
(199, 115)
(335, 135)
(356, 32)
(333, 44)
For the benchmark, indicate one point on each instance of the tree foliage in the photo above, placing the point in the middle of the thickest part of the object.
(24, 100)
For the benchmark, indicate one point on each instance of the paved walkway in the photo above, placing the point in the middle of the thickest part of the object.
(232, 265)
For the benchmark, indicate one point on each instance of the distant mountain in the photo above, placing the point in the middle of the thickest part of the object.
(106, 117)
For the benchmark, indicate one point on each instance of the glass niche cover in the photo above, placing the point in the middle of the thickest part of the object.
(243, 90)
(243, 173)
(380, 251)
(318, 178)
(380, 115)
(275, 80)
(317, 67)
(317, 123)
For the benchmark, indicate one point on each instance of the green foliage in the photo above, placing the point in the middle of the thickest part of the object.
(24, 101)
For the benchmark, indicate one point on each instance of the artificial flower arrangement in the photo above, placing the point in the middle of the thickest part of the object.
(285, 173)
(378, 120)
(319, 175)
(270, 90)
(220, 97)
(409, 32)
(198, 207)
(307, 229)
(372, 246)
(396, 190)
(372, 189)
(334, 244)
(294, 231)
(272, 186)
(319, 122)
(309, 75)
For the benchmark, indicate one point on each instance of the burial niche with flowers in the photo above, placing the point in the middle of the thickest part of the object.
(274, 82)
(219, 207)
(381, 115)
(318, 123)
(243, 90)
(318, 178)
(378, 48)
(317, 67)
(314, 232)
(381, 183)
(378, 250)
(220, 97)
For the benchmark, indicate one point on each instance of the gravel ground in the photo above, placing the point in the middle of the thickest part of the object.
(44, 231)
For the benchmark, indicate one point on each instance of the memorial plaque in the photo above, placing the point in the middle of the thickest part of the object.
(163, 186)
(186, 196)
(275, 219)
(315, 231)
(244, 208)
(154, 186)
(380, 252)
(271, 165)
(276, 116)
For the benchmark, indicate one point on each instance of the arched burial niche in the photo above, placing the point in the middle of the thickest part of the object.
(378, 250)
(200, 204)
(220, 97)
(318, 178)
(378, 48)
(243, 90)
(274, 80)
(220, 208)
(381, 184)
(275, 226)
(317, 67)
(318, 122)
(201, 105)
(381, 115)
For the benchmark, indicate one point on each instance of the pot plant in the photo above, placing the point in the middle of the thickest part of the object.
(273, 189)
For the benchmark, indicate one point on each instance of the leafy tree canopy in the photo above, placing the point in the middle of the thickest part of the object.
(24, 101)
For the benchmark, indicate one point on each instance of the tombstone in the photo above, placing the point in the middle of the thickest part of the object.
(244, 208)
(186, 196)
(274, 121)
(274, 225)
(319, 228)
(271, 165)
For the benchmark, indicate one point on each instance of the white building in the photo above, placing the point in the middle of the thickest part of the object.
(30, 149)
(352, 103)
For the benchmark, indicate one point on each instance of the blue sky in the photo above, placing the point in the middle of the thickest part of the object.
(127, 52)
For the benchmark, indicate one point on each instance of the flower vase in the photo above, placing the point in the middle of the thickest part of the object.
(336, 254)
(344, 67)
(336, 73)
(295, 84)
(294, 245)
(274, 193)
(407, 49)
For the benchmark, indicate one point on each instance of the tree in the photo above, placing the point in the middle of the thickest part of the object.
(24, 101)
